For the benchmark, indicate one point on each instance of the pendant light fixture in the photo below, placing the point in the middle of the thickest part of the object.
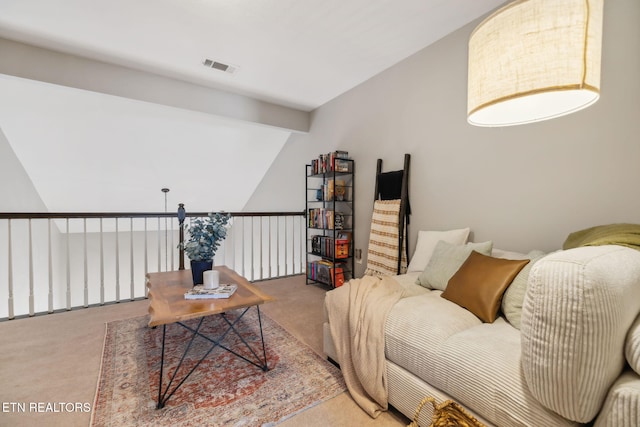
(534, 60)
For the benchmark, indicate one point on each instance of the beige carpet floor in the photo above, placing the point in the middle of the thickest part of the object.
(49, 362)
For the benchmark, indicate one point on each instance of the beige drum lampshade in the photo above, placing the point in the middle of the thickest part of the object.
(534, 60)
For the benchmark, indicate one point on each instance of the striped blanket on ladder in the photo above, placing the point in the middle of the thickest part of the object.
(382, 253)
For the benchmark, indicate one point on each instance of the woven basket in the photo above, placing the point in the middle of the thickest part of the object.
(446, 414)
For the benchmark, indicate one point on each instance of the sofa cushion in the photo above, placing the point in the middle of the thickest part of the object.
(513, 297)
(480, 368)
(576, 314)
(622, 407)
(417, 326)
(632, 346)
(480, 282)
(446, 260)
(427, 241)
(406, 391)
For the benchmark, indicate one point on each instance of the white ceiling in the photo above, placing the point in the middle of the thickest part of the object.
(296, 53)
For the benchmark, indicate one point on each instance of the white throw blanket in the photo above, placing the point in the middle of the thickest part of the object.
(357, 314)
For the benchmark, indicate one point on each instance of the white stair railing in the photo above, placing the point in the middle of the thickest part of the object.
(59, 261)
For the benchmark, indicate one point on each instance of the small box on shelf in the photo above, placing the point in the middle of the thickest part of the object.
(342, 166)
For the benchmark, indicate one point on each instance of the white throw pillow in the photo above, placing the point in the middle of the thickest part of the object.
(427, 241)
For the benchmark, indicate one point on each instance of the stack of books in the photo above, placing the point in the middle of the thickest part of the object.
(325, 272)
(326, 218)
(199, 292)
(335, 161)
(328, 247)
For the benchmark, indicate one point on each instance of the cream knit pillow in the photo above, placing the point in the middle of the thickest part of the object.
(514, 295)
(446, 260)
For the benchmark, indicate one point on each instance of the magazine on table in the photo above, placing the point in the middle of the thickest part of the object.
(199, 292)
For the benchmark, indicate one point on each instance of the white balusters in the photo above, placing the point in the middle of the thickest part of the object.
(117, 262)
(85, 269)
(278, 247)
(261, 248)
(146, 256)
(131, 263)
(172, 247)
(159, 246)
(50, 269)
(101, 263)
(242, 246)
(10, 271)
(69, 261)
(32, 310)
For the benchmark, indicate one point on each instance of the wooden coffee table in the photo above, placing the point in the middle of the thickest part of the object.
(168, 305)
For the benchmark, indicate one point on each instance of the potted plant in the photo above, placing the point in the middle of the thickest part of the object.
(205, 236)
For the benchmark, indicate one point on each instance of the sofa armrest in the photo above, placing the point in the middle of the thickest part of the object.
(577, 310)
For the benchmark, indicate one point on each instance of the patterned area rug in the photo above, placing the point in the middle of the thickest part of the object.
(223, 391)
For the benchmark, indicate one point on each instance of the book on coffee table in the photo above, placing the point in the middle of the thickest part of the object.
(199, 292)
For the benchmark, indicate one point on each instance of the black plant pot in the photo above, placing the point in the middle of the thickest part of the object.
(199, 267)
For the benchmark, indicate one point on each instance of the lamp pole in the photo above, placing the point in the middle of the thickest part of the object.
(166, 236)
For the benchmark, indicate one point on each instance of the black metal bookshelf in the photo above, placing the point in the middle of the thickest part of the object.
(329, 201)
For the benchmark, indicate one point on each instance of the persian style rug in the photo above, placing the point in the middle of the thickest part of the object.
(223, 391)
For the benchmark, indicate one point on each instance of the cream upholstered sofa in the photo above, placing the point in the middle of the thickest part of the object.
(572, 358)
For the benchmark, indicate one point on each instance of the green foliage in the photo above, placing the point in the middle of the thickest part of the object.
(205, 235)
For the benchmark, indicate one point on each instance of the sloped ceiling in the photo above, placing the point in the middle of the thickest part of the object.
(87, 150)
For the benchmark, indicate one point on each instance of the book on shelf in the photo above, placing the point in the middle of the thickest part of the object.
(326, 272)
(337, 275)
(344, 235)
(221, 292)
(342, 166)
(342, 248)
(340, 190)
(325, 192)
(323, 274)
(325, 218)
(328, 247)
(328, 190)
(338, 221)
(334, 161)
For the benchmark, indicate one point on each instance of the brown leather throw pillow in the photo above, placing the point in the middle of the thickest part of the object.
(480, 282)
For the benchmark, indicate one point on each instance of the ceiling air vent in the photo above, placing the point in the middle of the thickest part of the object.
(216, 65)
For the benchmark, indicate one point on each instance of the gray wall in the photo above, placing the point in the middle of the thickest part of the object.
(523, 187)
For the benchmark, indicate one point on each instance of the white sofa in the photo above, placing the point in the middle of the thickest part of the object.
(575, 359)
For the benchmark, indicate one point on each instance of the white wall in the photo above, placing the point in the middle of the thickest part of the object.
(523, 187)
(17, 192)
